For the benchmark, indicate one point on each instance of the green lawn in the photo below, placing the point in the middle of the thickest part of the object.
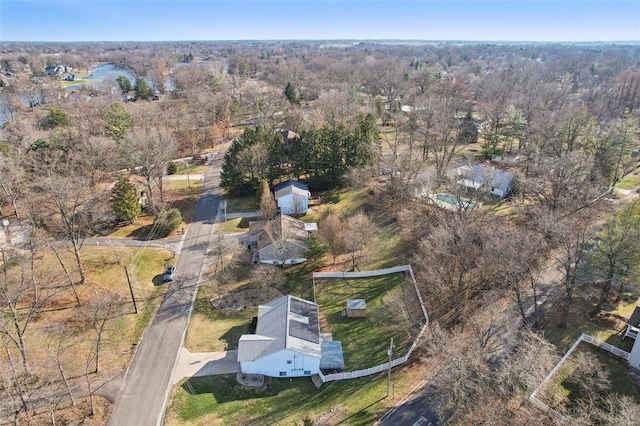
(212, 330)
(244, 203)
(221, 400)
(78, 82)
(364, 340)
(234, 225)
(343, 202)
(628, 182)
(192, 170)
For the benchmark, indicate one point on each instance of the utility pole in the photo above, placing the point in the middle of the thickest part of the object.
(188, 180)
(134, 299)
(389, 371)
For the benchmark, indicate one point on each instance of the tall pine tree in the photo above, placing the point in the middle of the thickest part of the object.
(124, 203)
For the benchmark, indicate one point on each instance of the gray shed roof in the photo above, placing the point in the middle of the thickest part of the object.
(356, 304)
(332, 358)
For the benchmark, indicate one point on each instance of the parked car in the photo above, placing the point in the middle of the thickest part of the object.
(169, 273)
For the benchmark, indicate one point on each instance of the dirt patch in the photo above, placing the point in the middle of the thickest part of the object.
(244, 299)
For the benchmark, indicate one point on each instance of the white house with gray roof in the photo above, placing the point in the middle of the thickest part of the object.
(287, 341)
(292, 197)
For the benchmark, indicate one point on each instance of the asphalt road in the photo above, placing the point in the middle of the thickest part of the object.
(415, 411)
(147, 382)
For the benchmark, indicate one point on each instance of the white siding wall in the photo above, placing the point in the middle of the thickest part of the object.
(634, 356)
(275, 364)
(287, 204)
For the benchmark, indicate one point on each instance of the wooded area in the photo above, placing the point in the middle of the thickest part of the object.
(390, 120)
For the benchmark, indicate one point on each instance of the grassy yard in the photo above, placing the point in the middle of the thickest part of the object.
(104, 267)
(192, 170)
(212, 330)
(237, 204)
(364, 340)
(78, 82)
(588, 375)
(221, 400)
(234, 225)
(628, 182)
(343, 202)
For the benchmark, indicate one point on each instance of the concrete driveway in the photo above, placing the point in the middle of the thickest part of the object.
(205, 364)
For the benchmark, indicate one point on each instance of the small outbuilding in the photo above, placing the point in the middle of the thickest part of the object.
(356, 308)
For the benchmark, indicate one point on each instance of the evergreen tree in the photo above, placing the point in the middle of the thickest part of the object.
(56, 118)
(166, 222)
(124, 203)
(142, 89)
(263, 190)
(119, 122)
(125, 84)
(292, 94)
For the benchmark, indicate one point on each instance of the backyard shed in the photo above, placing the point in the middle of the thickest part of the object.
(331, 357)
(356, 308)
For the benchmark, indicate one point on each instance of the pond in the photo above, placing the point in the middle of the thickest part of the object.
(100, 73)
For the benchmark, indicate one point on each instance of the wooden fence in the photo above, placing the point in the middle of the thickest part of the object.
(395, 362)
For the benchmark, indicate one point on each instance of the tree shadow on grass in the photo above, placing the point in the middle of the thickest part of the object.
(225, 388)
(143, 233)
(232, 336)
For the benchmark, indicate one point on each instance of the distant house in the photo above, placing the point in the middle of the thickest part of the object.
(292, 197)
(279, 241)
(497, 182)
(288, 136)
(287, 341)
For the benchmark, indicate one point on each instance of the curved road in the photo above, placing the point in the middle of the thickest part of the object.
(146, 385)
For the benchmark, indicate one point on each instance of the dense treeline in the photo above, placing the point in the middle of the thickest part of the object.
(320, 155)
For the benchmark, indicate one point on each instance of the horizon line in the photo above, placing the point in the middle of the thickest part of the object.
(329, 39)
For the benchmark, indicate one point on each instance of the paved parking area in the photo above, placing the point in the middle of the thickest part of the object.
(205, 364)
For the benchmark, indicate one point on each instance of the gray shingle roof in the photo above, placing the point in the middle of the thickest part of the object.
(273, 332)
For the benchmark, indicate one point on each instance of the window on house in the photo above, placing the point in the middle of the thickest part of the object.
(289, 361)
(307, 372)
(283, 373)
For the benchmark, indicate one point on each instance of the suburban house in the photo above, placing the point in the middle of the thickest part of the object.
(497, 182)
(287, 340)
(288, 136)
(279, 241)
(292, 197)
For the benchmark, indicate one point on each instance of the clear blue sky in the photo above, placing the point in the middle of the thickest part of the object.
(151, 20)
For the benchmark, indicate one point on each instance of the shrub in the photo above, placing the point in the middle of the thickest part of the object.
(166, 222)
(172, 168)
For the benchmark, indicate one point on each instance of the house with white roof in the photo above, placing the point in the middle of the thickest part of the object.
(292, 197)
(287, 342)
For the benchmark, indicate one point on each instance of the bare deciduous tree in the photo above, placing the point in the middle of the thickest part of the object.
(332, 233)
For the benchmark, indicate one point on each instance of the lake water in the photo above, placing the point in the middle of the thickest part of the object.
(100, 73)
